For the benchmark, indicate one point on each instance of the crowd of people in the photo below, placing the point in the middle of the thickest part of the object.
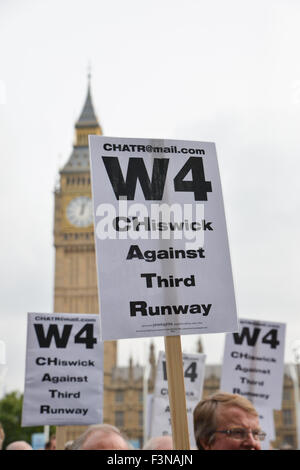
(23, 445)
(222, 421)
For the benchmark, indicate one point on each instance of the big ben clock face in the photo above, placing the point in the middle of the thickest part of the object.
(79, 212)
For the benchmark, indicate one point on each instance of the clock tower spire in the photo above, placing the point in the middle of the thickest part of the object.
(87, 122)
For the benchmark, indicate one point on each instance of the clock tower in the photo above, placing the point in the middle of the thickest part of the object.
(75, 284)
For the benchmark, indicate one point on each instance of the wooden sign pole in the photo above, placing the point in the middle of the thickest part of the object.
(176, 388)
(61, 437)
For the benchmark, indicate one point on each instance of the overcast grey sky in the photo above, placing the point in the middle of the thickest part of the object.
(227, 72)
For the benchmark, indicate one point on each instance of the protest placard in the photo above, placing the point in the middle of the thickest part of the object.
(161, 240)
(253, 362)
(64, 370)
(267, 424)
(193, 367)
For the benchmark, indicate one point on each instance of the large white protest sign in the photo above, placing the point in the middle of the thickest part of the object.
(193, 370)
(253, 362)
(64, 370)
(161, 239)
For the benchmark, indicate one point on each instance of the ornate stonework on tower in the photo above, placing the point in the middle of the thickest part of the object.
(75, 288)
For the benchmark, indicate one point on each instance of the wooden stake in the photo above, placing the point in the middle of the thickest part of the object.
(176, 388)
(61, 437)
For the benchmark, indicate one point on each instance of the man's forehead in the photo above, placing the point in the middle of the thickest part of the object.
(232, 414)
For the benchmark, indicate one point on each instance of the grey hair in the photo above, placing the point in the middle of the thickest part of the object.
(105, 428)
(153, 443)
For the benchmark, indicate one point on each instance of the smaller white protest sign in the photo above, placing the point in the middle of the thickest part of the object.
(64, 370)
(267, 424)
(193, 369)
(253, 362)
(149, 406)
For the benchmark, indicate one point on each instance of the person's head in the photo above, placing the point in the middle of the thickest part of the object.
(101, 437)
(159, 443)
(223, 421)
(68, 445)
(19, 445)
(2, 436)
(52, 442)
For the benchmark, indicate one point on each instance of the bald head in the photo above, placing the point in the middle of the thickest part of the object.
(19, 445)
(101, 437)
(100, 440)
(159, 443)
